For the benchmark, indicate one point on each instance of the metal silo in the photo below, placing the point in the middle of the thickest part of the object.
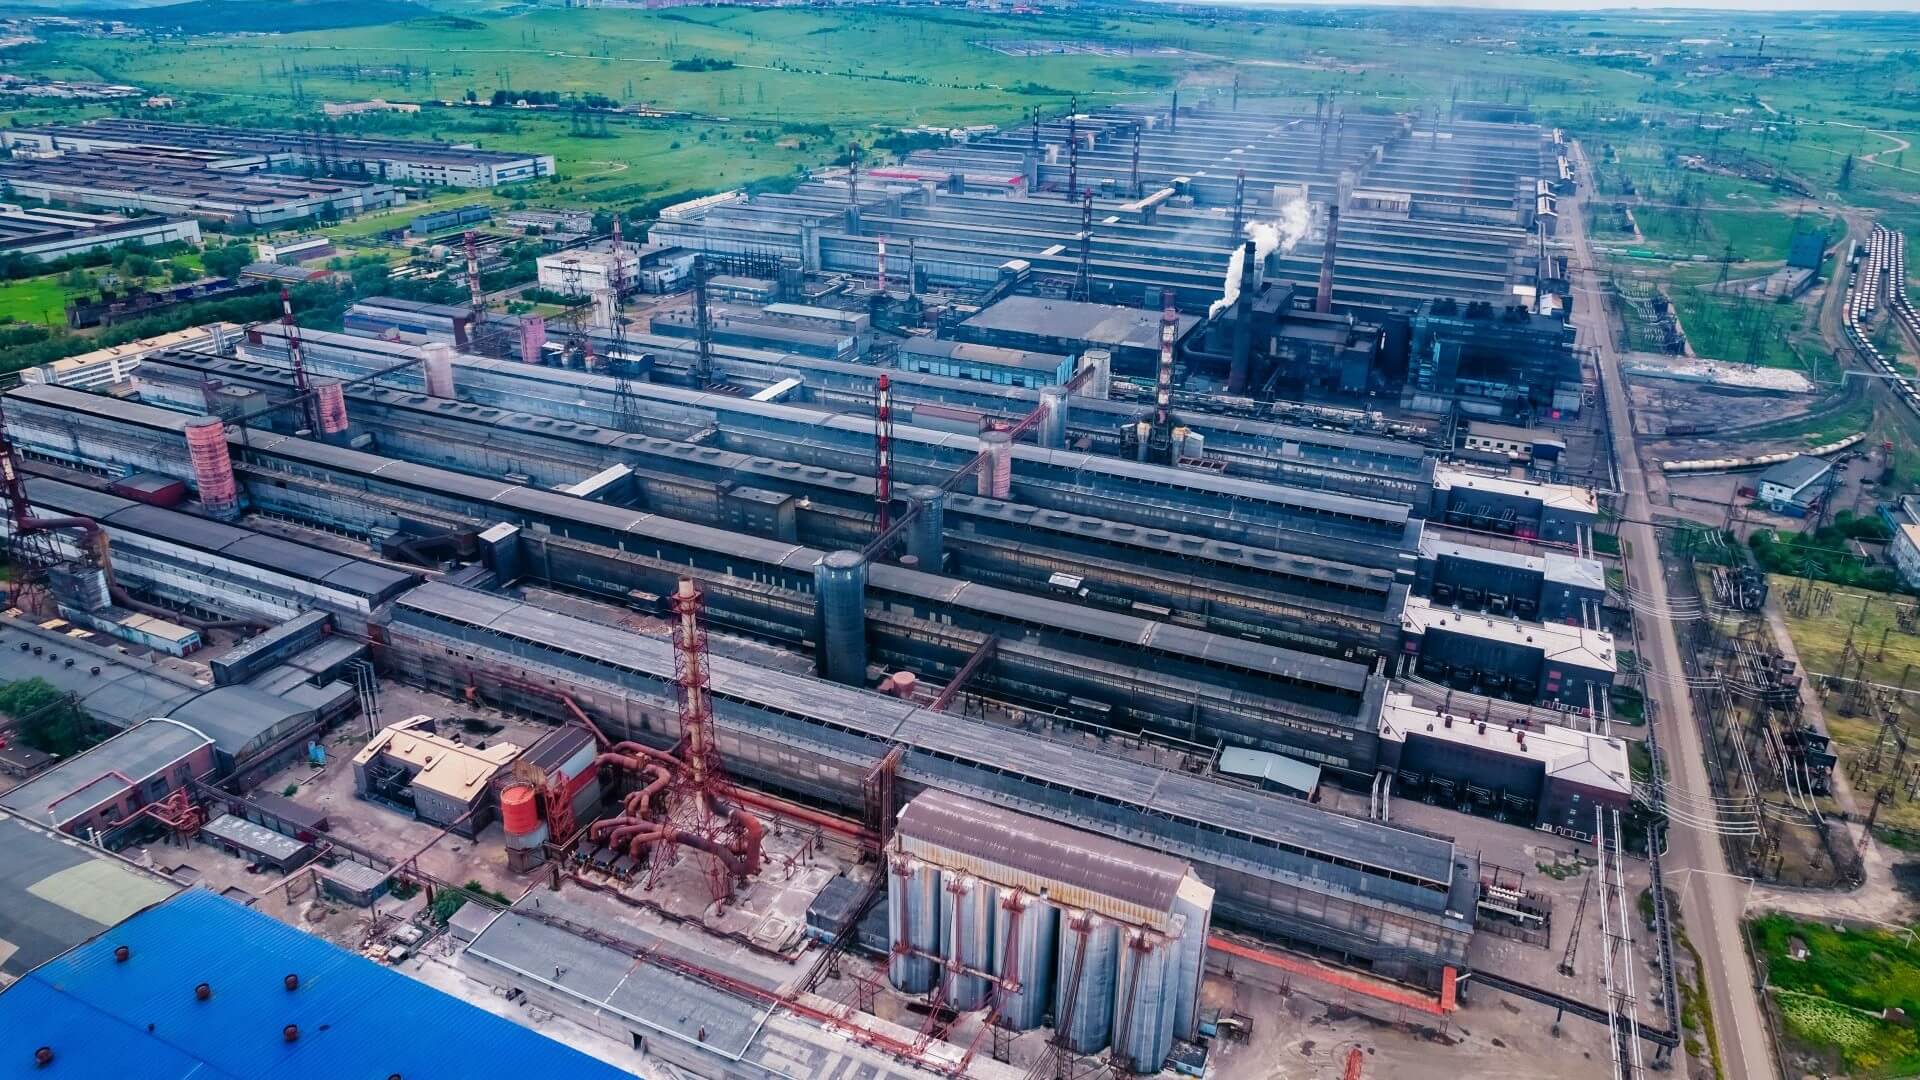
(1146, 985)
(1100, 383)
(1083, 994)
(1024, 951)
(1053, 422)
(968, 906)
(840, 588)
(1194, 904)
(926, 533)
(995, 478)
(913, 924)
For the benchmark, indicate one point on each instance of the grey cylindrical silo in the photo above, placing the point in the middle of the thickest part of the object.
(1100, 383)
(1085, 1023)
(1053, 422)
(1024, 951)
(840, 600)
(926, 533)
(967, 910)
(1142, 438)
(1198, 924)
(1145, 986)
(913, 924)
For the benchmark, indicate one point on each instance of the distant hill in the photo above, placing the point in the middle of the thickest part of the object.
(244, 16)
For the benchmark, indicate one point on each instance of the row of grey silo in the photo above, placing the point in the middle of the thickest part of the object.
(1102, 939)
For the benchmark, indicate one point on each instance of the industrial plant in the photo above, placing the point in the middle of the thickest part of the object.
(983, 601)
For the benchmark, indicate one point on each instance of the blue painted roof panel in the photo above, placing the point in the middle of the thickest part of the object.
(355, 1018)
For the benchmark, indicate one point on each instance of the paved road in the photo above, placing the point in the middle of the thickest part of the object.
(1711, 903)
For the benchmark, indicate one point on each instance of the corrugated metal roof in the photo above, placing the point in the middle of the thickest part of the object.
(141, 1019)
(1076, 868)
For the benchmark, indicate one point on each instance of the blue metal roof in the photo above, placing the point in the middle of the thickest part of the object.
(356, 1019)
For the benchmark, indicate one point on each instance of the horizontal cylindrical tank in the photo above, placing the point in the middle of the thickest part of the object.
(926, 533)
(1024, 953)
(913, 924)
(1099, 384)
(968, 910)
(330, 406)
(996, 472)
(1146, 984)
(1083, 990)
(438, 361)
(1053, 418)
(840, 585)
(212, 466)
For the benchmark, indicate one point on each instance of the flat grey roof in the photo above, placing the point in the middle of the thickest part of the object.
(84, 781)
(57, 892)
(1102, 324)
(258, 839)
(646, 996)
(1796, 472)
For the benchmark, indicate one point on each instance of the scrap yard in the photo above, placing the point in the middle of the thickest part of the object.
(1130, 592)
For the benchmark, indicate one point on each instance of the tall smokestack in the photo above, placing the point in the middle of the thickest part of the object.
(1242, 316)
(1163, 376)
(212, 467)
(1323, 300)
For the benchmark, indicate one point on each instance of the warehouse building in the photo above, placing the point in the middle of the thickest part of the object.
(278, 1003)
(439, 221)
(97, 793)
(43, 234)
(196, 563)
(1505, 657)
(1795, 485)
(236, 149)
(187, 183)
(1131, 335)
(1544, 775)
(985, 363)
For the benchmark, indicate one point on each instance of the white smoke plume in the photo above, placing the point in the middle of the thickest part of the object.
(1287, 228)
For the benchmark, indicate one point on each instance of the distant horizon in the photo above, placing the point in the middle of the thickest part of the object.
(1676, 7)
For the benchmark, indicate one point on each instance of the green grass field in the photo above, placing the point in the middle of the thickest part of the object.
(36, 300)
(1832, 1001)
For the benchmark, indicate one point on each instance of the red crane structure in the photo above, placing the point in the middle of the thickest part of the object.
(686, 800)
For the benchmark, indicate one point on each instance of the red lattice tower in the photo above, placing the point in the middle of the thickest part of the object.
(297, 360)
(701, 780)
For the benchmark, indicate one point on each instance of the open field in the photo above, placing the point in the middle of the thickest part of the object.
(36, 300)
(1832, 1000)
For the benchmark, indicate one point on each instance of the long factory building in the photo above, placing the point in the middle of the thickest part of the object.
(1335, 608)
(1443, 216)
(1101, 666)
(1397, 900)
